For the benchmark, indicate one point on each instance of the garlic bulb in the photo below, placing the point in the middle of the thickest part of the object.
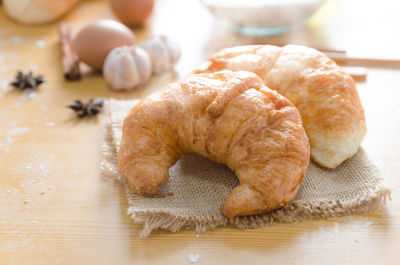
(127, 67)
(163, 51)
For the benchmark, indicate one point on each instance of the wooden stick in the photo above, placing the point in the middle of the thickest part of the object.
(329, 50)
(321, 49)
(70, 60)
(357, 73)
(339, 58)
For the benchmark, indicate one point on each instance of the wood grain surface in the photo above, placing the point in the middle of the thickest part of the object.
(56, 209)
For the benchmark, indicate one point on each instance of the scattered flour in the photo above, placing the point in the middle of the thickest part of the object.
(16, 39)
(6, 140)
(31, 95)
(3, 68)
(194, 258)
(48, 124)
(17, 130)
(368, 224)
(33, 66)
(4, 85)
(40, 44)
(27, 95)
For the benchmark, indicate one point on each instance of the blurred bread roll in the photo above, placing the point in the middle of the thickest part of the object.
(33, 12)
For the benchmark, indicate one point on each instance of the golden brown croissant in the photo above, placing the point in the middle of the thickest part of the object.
(229, 117)
(325, 96)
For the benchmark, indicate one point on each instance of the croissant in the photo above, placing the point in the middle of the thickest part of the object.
(229, 117)
(325, 95)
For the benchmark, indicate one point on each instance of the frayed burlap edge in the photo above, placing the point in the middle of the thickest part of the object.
(294, 212)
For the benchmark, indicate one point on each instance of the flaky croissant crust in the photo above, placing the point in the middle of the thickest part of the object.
(229, 117)
(324, 94)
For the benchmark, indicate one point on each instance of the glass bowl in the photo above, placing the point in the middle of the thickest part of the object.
(263, 17)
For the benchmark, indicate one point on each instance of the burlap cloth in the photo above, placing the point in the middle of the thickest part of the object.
(200, 187)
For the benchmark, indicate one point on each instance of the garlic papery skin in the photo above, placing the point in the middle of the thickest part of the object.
(163, 51)
(127, 67)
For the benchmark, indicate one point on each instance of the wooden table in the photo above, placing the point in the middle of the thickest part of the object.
(55, 208)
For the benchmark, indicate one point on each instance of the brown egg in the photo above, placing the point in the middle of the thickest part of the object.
(96, 40)
(132, 12)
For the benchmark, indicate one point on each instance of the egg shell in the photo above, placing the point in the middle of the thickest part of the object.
(132, 12)
(96, 40)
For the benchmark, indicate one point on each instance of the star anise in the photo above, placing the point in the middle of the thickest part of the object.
(91, 108)
(27, 81)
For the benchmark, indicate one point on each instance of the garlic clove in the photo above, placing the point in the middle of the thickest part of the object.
(163, 51)
(127, 67)
(143, 65)
(174, 50)
(127, 76)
